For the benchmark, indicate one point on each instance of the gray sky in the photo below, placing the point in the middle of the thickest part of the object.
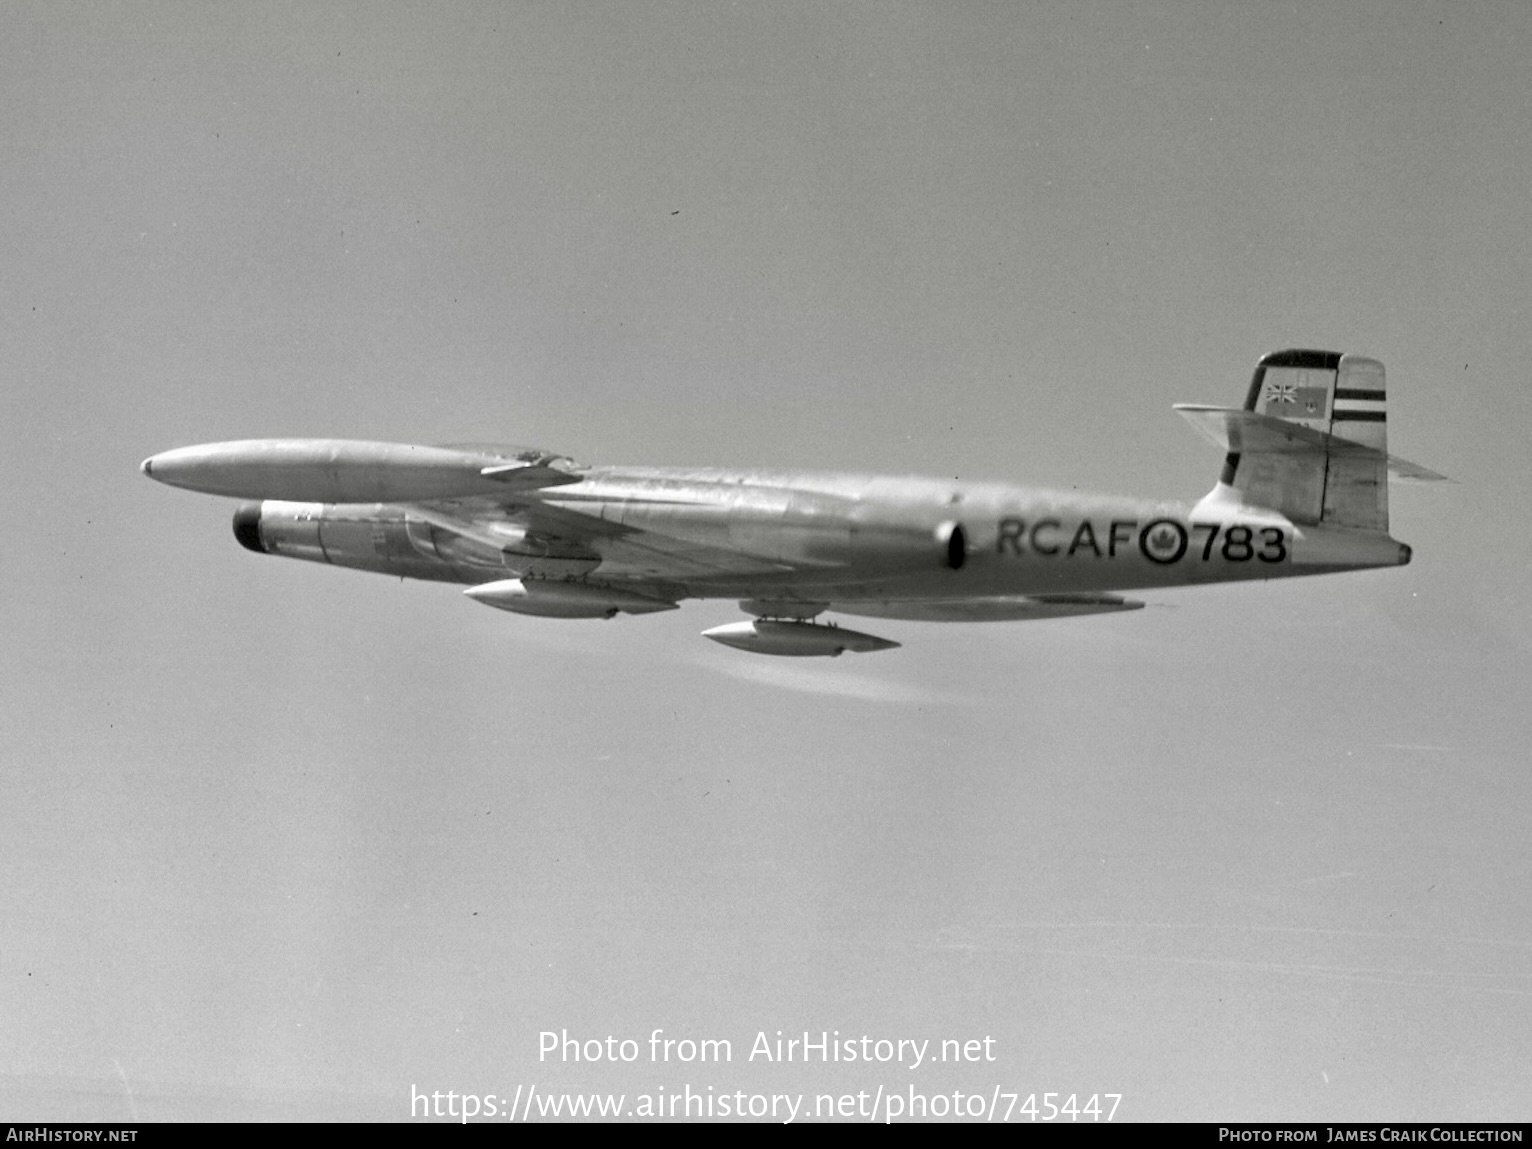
(282, 841)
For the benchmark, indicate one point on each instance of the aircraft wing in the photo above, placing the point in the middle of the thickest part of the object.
(535, 527)
(497, 496)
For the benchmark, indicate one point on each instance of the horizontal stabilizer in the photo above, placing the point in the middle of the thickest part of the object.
(1236, 431)
(1408, 472)
(998, 608)
(1232, 429)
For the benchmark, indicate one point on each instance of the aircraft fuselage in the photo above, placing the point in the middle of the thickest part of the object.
(833, 537)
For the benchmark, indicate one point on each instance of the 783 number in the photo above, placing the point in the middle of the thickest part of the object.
(1240, 543)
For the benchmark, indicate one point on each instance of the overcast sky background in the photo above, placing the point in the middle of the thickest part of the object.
(282, 841)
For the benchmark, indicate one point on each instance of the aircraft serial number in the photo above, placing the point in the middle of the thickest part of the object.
(1161, 541)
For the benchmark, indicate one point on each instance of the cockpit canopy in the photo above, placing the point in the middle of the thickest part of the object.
(513, 453)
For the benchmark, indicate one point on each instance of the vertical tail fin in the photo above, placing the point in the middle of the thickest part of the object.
(1338, 395)
(1311, 441)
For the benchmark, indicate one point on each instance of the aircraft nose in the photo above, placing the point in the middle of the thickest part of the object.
(147, 466)
(1404, 554)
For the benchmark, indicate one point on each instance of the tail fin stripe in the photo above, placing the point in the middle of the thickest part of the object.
(1357, 393)
(1350, 406)
(1360, 416)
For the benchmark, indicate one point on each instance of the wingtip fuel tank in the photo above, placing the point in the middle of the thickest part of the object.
(348, 471)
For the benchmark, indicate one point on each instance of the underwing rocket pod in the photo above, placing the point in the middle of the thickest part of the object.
(556, 599)
(804, 639)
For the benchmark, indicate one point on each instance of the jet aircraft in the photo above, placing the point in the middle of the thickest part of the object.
(1303, 491)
